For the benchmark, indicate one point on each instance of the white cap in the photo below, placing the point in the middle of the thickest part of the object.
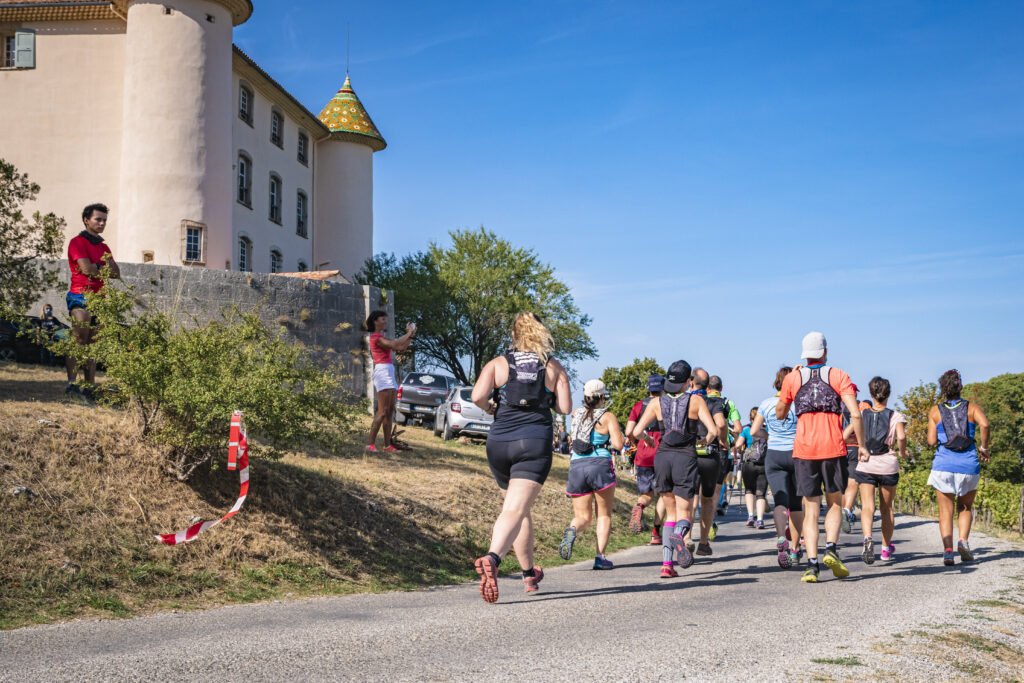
(595, 387)
(814, 345)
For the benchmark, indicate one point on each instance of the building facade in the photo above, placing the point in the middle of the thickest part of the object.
(203, 158)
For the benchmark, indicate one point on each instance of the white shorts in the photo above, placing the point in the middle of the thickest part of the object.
(953, 483)
(384, 377)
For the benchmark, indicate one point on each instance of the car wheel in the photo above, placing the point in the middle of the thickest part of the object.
(447, 433)
(8, 354)
(438, 426)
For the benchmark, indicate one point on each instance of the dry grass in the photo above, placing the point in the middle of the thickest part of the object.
(314, 523)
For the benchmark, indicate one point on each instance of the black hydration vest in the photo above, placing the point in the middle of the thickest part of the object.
(677, 428)
(816, 395)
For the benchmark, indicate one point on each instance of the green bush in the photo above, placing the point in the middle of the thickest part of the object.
(1000, 499)
(183, 383)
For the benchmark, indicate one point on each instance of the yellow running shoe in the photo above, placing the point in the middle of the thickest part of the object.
(811, 575)
(832, 561)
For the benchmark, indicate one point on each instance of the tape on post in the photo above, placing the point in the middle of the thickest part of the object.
(238, 458)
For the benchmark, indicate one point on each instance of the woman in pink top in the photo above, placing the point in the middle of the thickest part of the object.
(883, 429)
(385, 384)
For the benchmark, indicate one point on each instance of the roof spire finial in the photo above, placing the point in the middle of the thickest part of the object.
(348, 48)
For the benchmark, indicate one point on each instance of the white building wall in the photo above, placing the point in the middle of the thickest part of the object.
(344, 225)
(61, 121)
(267, 157)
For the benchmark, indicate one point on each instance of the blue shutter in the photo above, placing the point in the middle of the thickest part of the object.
(25, 49)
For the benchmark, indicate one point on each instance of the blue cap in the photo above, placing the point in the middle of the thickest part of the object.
(655, 383)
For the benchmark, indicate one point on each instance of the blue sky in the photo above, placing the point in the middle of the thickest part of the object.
(713, 179)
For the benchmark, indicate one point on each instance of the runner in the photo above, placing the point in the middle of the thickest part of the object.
(385, 384)
(675, 464)
(732, 420)
(755, 481)
(819, 450)
(645, 477)
(527, 383)
(852, 458)
(87, 255)
(883, 428)
(709, 461)
(591, 470)
(781, 474)
(953, 427)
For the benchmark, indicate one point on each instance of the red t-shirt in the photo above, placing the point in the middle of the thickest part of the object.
(644, 453)
(380, 355)
(819, 436)
(81, 247)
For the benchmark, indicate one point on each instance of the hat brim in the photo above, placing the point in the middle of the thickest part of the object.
(674, 388)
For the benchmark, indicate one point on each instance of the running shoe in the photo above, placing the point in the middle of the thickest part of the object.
(887, 553)
(568, 539)
(690, 546)
(371, 449)
(488, 571)
(530, 583)
(668, 572)
(704, 550)
(655, 539)
(636, 520)
(811, 574)
(759, 524)
(684, 551)
(965, 552)
(390, 449)
(847, 521)
(794, 558)
(869, 551)
(947, 557)
(603, 563)
(713, 534)
(782, 548)
(832, 561)
(750, 522)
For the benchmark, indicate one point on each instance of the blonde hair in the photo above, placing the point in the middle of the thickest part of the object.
(530, 334)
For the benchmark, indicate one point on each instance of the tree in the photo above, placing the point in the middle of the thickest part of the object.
(1002, 399)
(628, 384)
(463, 299)
(915, 404)
(22, 243)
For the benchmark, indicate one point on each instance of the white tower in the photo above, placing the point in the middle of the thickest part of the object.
(176, 148)
(343, 211)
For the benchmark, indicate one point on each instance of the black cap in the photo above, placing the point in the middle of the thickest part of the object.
(677, 376)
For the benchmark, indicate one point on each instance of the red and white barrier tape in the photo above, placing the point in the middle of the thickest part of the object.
(238, 458)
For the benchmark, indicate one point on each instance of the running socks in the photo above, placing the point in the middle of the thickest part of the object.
(528, 573)
(830, 547)
(666, 544)
(682, 527)
(497, 560)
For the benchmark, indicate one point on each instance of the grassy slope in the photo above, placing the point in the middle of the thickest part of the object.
(314, 523)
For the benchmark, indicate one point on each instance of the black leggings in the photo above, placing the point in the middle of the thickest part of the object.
(519, 459)
(708, 469)
(781, 474)
(754, 479)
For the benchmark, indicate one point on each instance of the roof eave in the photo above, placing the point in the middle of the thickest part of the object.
(253, 70)
(372, 141)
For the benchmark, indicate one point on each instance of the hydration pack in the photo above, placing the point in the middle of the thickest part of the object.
(676, 427)
(816, 395)
(525, 387)
(876, 430)
(954, 423)
(757, 452)
(655, 427)
(583, 429)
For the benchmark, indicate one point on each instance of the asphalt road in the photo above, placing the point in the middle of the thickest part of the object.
(735, 615)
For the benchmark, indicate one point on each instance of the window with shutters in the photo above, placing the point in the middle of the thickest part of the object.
(277, 129)
(10, 52)
(275, 198)
(19, 49)
(276, 261)
(245, 180)
(301, 214)
(303, 267)
(245, 103)
(244, 254)
(193, 239)
(303, 153)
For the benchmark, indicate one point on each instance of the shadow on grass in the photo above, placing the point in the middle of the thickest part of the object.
(23, 383)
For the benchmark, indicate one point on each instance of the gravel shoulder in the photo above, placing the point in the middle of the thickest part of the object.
(733, 615)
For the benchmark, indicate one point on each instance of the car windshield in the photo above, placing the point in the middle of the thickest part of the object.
(466, 394)
(432, 381)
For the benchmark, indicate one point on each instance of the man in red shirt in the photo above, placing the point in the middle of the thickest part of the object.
(87, 255)
(645, 479)
(819, 449)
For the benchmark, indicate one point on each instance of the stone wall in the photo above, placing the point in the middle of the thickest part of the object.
(326, 316)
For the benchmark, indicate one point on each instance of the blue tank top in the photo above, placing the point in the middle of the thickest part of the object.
(964, 462)
(600, 443)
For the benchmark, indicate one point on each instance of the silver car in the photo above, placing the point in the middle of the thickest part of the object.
(459, 415)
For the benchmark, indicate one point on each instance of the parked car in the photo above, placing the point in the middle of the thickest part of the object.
(28, 346)
(459, 415)
(419, 395)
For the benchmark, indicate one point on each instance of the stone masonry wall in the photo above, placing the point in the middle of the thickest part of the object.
(325, 316)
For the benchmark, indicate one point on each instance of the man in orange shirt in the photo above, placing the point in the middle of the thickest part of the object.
(818, 394)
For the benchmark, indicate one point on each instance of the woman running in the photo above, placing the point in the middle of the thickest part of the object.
(591, 471)
(675, 464)
(781, 474)
(883, 428)
(385, 384)
(755, 481)
(527, 382)
(952, 427)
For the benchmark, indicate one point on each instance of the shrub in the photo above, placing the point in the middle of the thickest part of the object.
(999, 501)
(184, 382)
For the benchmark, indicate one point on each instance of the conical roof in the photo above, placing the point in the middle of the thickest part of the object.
(347, 119)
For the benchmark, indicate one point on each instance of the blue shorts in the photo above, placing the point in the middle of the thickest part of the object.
(74, 301)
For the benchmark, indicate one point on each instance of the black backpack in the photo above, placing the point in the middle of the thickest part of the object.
(757, 452)
(676, 425)
(876, 430)
(816, 395)
(955, 424)
(525, 387)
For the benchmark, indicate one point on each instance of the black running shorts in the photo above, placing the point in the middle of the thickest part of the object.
(852, 457)
(755, 480)
(708, 467)
(876, 480)
(781, 474)
(812, 475)
(646, 480)
(726, 466)
(675, 470)
(519, 459)
(589, 475)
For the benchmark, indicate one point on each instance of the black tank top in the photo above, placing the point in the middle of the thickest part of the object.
(512, 423)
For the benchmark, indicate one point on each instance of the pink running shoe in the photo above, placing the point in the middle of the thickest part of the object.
(390, 449)
(371, 449)
(531, 583)
(888, 553)
(782, 548)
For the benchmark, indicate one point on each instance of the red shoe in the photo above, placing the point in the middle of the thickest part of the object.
(636, 519)
(488, 572)
(371, 449)
(530, 583)
(655, 539)
(390, 449)
(668, 572)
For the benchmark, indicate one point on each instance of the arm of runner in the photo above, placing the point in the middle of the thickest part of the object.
(757, 426)
(786, 394)
(933, 421)
(901, 439)
(704, 415)
(983, 430)
(563, 394)
(850, 401)
(640, 428)
(723, 430)
(484, 387)
(631, 422)
(614, 430)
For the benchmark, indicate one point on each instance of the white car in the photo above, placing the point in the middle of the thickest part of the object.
(459, 415)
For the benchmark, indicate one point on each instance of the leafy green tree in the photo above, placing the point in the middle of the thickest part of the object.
(915, 404)
(23, 243)
(628, 384)
(1002, 399)
(464, 297)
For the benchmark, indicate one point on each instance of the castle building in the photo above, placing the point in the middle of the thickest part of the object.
(202, 157)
